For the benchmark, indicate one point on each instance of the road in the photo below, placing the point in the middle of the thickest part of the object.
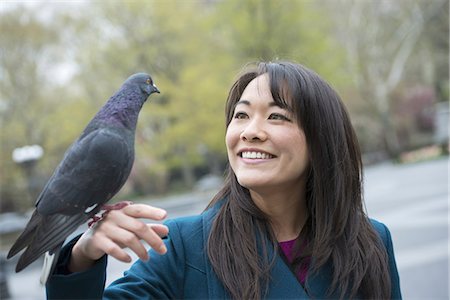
(412, 200)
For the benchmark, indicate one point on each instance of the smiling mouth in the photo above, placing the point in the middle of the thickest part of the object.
(255, 155)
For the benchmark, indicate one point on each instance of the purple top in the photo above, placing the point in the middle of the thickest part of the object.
(287, 248)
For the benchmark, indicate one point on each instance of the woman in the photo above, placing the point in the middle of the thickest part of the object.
(288, 223)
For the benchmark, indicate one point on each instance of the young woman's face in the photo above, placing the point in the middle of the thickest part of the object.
(266, 148)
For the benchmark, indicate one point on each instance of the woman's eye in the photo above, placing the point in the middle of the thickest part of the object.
(240, 115)
(279, 117)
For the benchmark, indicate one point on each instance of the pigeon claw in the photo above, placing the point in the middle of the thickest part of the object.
(95, 219)
(106, 208)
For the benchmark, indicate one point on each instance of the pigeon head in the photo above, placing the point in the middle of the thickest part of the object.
(144, 82)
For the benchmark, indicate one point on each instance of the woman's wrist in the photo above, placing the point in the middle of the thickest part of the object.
(78, 261)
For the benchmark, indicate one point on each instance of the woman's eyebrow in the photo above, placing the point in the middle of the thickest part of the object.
(242, 101)
(273, 103)
(246, 102)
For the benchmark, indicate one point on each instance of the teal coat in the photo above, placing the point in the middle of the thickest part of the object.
(185, 272)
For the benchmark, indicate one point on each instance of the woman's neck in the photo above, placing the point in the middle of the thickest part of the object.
(287, 212)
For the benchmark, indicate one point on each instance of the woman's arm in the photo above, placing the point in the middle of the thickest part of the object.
(83, 262)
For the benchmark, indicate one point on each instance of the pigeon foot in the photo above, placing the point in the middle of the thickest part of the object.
(106, 208)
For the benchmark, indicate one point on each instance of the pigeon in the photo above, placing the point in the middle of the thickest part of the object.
(92, 171)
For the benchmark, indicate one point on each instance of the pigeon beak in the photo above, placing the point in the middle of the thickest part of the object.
(155, 89)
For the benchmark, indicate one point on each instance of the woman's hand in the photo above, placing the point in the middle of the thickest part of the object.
(117, 230)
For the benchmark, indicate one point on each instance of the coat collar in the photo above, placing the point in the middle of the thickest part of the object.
(283, 284)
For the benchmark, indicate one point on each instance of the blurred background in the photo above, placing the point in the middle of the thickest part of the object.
(61, 60)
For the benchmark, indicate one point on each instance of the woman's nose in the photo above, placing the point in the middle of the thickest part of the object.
(254, 131)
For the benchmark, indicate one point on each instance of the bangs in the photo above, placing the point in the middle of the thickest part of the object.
(236, 91)
(283, 85)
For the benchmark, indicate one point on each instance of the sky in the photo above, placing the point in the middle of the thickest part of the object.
(44, 10)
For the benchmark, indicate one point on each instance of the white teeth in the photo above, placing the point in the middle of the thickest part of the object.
(256, 155)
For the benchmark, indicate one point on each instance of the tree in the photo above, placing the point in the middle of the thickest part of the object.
(168, 40)
(193, 49)
(40, 104)
(28, 97)
(193, 57)
(379, 38)
(266, 30)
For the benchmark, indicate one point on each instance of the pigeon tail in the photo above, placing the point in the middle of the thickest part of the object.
(27, 235)
(49, 236)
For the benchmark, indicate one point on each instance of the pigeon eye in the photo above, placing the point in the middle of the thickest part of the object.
(148, 81)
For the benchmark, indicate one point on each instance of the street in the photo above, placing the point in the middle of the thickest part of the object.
(412, 200)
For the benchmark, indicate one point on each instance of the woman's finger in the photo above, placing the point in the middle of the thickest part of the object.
(159, 229)
(111, 248)
(145, 211)
(125, 237)
(144, 232)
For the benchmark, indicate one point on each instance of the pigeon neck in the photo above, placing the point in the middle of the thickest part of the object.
(122, 109)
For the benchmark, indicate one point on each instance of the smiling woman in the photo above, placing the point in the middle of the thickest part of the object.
(288, 222)
(304, 192)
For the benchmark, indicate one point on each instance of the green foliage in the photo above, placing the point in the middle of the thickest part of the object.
(26, 44)
(193, 49)
(165, 39)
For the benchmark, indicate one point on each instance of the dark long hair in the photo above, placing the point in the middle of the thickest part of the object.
(337, 230)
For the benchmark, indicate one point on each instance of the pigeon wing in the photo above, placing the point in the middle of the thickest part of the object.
(92, 171)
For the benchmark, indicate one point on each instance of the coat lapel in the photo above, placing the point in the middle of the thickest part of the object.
(283, 284)
(317, 284)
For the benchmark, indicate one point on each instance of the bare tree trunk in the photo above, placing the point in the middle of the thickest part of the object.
(377, 54)
(188, 174)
